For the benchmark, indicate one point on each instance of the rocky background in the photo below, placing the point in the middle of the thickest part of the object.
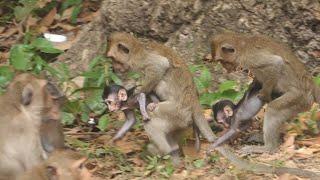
(188, 25)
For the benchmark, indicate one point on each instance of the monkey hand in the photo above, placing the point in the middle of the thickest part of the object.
(151, 107)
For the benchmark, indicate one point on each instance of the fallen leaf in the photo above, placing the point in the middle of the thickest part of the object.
(9, 32)
(66, 27)
(49, 18)
(288, 177)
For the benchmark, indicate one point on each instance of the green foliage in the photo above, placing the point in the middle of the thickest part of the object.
(27, 57)
(6, 75)
(76, 10)
(103, 122)
(203, 80)
(160, 164)
(25, 9)
(198, 163)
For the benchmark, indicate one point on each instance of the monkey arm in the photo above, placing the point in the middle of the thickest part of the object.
(142, 105)
(130, 121)
(154, 70)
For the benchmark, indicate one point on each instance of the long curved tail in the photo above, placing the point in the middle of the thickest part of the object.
(226, 151)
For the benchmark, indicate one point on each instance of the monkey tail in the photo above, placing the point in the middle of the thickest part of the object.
(202, 124)
(261, 168)
(240, 163)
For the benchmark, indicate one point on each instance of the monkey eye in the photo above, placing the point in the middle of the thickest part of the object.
(228, 49)
(123, 48)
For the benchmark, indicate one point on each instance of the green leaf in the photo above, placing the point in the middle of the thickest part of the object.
(21, 56)
(21, 12)
(317, 80)
(198, 163)
(75, 14)
(67, 118)
(115, 78)
(103, 122)
(45, 46)
(133, 75)
(68, 3)
(205, 77)
(209, 98)
(227, 85)
(6, 75)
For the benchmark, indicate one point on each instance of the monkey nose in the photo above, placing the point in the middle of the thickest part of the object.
(109, 54)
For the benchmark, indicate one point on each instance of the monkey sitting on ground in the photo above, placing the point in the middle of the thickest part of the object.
(61, 165)
(278, 70)
(22, 107)
(168, 77)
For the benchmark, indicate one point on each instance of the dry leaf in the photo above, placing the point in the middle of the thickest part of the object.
(10, 32)
(49, 18)
(288, 177)
(67, 14)
(66, 27)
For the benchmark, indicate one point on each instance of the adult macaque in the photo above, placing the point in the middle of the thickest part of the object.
(22, 108)
(61, 165)
(278, 70)
(168, 76)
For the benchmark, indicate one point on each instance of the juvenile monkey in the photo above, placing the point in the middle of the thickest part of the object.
(61, 165)
(118, 98)
(278, 70)
(21, 111)
(168, 76)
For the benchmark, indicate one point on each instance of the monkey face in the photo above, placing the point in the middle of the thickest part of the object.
(67, 165)
(224, 51)
(113, 103)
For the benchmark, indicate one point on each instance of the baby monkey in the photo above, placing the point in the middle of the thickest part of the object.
(117, 98)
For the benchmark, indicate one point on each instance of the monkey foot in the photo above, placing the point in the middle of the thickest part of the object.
(151, 106)
(256, 150)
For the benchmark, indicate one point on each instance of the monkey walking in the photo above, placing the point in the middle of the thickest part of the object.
(168, 76)
(118, 98)
(278, 70)
(26, 102)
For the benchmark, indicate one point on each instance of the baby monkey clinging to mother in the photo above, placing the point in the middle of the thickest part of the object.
(278, 70)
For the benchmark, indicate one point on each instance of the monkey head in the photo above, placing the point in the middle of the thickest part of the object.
(114, 96)
(225, 48)
(66, 164)
(122, 47)
(32, 93)
(223, 112)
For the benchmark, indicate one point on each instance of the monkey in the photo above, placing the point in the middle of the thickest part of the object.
(167, 75)
(21, 111)
(51, 130)
(276, 67)
(118, 98)
(223, 111)
(61, 165)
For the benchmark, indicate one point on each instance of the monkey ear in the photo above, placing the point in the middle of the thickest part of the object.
(26, 95)
(123, 48)
(122, 95)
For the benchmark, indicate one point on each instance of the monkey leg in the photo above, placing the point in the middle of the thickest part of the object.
(130, 121)
(272, 122)
(142, 106)
(156, 130)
